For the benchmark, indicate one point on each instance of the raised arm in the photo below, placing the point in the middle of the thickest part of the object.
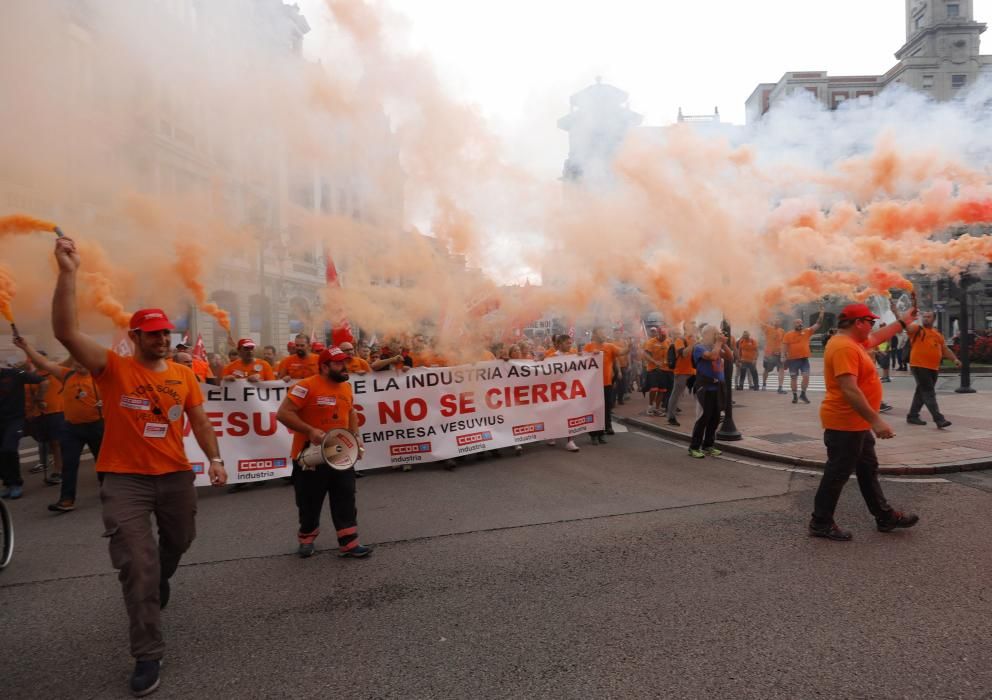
(39, 360)
(882, 334)
(65, 323)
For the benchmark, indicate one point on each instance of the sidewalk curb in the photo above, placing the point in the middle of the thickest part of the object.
(888, 470)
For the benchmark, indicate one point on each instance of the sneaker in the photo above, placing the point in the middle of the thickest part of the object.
(830, 532)
(551, 443)
(145, 680)
(673, 422)
(37, 469)
(781, 391)
(13, 492)
(164, 593)
(915, 420)
(518, 450)
(571, 446)
(407, 468)
(802, 397)
(713, 452)
(53, 479)
(63, 505)
(795, 398)
(896, 519)
(764, 387)
(698, 454)
(652, 412)
(358, 552)
(884, 408)
(305, 550)
(943, 423)
(601, 439)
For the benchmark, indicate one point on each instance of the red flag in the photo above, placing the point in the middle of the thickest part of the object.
(341, 329)
(199, 350)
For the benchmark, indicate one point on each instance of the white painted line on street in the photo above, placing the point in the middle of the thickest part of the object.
(794, 470)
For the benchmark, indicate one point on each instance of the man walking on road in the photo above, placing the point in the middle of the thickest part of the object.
(928, 349)
(851, 422)
(797, 354)
(142, 465)
(684, 371)
(610, 369)
(773, 355)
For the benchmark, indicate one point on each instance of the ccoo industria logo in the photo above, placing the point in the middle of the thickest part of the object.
(528, 429)
(255, 465)
(473, 438)
(410, 448)
(581, 420)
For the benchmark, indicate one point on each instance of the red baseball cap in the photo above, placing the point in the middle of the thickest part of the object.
(150, 320)
(246, 343)
(317, 347)
(332, 355)
(853, 311)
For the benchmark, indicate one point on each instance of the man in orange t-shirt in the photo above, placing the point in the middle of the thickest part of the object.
(684, 372)
(773, 355)
(610, 367)
(142, 463)
(49, 423)
(797, 353)
(312, 407)
(658, 375)
(247, 366)
(747, 361)
(354, 364)
(851, 421)
(299, 364)
(926, 353)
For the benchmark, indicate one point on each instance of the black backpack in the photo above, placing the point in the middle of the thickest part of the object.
(672, 356)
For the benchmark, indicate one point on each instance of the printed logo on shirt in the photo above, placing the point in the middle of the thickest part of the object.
(156, 430)
(135, 404)
(175, 412)
(257, 368)
(327, 400)
(198, 467)
(299, 391)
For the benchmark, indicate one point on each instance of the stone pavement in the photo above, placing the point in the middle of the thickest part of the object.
(775, 428)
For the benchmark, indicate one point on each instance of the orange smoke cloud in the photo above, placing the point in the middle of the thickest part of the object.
(188, 265)
(99, 290)
(7, 290)
(20, 223)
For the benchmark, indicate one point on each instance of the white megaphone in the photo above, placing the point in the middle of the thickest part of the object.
(338, 450)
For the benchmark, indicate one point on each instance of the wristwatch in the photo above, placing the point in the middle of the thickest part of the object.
(218, 460)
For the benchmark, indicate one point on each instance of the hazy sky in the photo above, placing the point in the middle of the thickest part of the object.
(519, 60)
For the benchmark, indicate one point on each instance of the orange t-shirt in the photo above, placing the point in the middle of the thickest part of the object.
(927, 349)
(655, 354)
(243, 370)
(773, 340)
(201, 368)
(143, 412)
(748, 349)
(80, 397)
(797, 343)
(624, 357)
(844, 355)
(323, 404)
(357, 364)
(558, 353)
(683, 363)
(52, 395)
(610, 352)
(298, 367)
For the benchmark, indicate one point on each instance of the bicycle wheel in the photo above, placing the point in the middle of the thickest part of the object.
(6, 535)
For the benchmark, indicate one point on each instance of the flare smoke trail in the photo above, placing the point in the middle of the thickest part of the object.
(19, 223)
(189, 267)
(7, 291)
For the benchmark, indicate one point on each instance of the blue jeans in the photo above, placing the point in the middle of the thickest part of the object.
(74, 437)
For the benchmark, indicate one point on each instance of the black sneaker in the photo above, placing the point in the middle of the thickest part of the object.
(781, 391)
(672, 421)
(896, 519)
(830, 532)
(884, 408)
(802, 397)
(144, 680)
(795, 398)
(305, 550)
(915, 420)
(943, 423)
(359, 552)
(164, 593)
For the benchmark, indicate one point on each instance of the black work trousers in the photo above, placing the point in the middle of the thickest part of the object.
(704, 431)
(608, 404)
(926, 393)
(339, 488)
(848, 452)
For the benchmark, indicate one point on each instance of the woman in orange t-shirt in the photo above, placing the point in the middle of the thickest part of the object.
(851, 422)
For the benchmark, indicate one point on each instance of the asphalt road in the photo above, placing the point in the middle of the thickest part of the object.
(627, 570)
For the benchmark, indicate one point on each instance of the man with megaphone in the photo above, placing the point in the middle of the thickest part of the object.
(319, 409)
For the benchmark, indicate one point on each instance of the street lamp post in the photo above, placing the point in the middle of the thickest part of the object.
(964, 326)
(728, 431)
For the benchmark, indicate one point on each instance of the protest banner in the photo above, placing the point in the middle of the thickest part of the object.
(418, 416)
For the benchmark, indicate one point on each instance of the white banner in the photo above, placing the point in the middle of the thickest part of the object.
(422, 415)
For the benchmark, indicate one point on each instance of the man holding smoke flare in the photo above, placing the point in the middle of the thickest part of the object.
(142, 465)
(851, 421)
